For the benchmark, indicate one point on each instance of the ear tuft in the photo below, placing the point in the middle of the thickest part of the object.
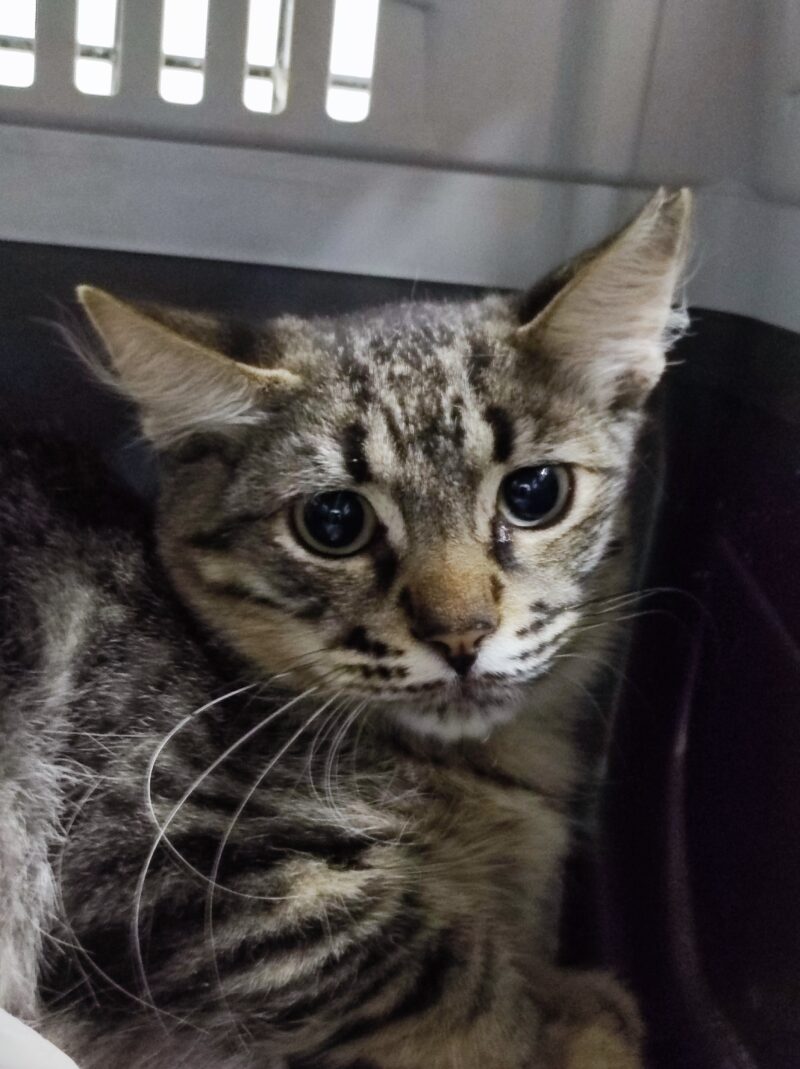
(179, 386)
(610, 326)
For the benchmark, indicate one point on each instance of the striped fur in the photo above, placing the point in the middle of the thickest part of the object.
(251, 817)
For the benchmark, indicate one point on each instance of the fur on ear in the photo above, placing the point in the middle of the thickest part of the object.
(610, 325)
(179, 386)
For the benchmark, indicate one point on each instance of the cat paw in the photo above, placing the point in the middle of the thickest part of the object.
(598, 1025)
(596, 1048)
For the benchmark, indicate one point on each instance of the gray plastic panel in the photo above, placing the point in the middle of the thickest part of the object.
(634, 91)
(501, 137)
(363, 217)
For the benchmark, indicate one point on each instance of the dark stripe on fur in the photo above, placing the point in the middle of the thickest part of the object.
(496, 585)
(352, 980)
(312, 610)
(224, 537)
(482, 999)
(614, 548)
(406, 603)
(476, 761)
(349, 981)
(297, 939)
(263, 852)
(543, 647)
(431, 981)
(176, 922)
(503, 431)
(546, 615)
(315, 1063)
(399, 439)
(424, 994)
(384, 560)
(478, 363)
(355, 458)
(202, 446)
(357, 639)
(241, 593)
(457, 421)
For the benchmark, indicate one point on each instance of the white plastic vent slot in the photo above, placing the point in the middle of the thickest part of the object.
(96, 47)
(17, 42)
(183, 51)
(355, 27)
(268, 33)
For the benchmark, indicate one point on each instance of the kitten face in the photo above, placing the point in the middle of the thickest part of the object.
(442, 584)
(422, 416)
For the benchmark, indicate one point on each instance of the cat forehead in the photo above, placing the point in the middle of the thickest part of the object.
(406, 384)
(397, 339)
(410, 394)
(409, 365)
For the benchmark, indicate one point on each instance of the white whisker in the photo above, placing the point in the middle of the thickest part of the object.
(213, 878)
(162, 828)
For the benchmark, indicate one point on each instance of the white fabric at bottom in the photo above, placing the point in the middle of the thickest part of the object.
(22, 1048)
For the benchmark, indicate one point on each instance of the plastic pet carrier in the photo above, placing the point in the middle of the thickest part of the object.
(263, 156)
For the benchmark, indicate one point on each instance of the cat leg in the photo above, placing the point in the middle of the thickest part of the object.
(594, 1024)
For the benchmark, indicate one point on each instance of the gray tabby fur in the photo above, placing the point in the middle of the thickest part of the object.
(247, 819)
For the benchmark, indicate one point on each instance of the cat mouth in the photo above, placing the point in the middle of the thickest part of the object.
(457, 709)
(457, 691)
(485, 682)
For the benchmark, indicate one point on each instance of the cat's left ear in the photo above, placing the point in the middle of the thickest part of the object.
(609, 327)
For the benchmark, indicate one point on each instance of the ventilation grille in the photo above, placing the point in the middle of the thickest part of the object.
(93, 61)
(588, 92)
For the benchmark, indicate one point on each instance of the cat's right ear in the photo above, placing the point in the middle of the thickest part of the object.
(179, 386)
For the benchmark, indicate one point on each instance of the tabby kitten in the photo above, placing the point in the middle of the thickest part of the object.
(287, 784)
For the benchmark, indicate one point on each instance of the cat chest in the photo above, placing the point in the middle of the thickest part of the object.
(498, 856)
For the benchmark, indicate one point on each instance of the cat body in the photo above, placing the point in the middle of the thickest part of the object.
(288, 781)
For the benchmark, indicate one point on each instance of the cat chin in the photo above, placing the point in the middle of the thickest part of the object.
(456, 720)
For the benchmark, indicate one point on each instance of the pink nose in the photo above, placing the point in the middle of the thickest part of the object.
(460, 648)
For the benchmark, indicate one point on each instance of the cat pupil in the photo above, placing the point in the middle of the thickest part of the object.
(334, 519)
(533, 494)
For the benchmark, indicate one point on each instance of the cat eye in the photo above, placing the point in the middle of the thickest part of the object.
(536, 496)
(337, 523)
